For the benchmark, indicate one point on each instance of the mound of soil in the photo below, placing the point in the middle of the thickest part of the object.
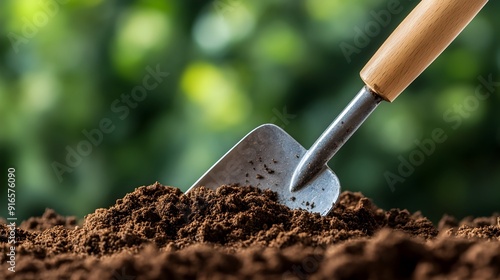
(157, 232)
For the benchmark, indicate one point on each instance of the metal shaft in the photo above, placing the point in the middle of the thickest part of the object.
(332, 139)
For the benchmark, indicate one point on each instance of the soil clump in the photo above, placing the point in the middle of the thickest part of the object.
(157, 232)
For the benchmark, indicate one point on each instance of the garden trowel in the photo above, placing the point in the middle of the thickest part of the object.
(269, 158)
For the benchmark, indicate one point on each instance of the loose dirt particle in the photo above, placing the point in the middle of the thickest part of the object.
(268, 170)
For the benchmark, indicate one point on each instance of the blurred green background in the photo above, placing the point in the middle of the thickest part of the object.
(232, 65)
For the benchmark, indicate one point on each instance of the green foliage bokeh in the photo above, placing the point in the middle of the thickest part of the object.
(232, 65)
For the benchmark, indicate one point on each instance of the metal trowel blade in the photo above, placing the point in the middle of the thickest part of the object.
(266, 158)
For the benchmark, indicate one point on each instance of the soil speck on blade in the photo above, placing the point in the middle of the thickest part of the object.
(268, 170)
(244, 232)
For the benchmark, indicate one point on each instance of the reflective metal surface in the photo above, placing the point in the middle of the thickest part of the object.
(266, 158)
(334, 137)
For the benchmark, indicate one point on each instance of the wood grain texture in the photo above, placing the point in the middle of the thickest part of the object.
(416, 43)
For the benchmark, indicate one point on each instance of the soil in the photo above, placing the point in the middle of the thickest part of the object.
(157, 232)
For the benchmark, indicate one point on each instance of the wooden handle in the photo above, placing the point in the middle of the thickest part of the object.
(415, 43)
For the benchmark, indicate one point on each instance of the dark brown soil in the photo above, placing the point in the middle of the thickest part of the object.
(157, 232)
